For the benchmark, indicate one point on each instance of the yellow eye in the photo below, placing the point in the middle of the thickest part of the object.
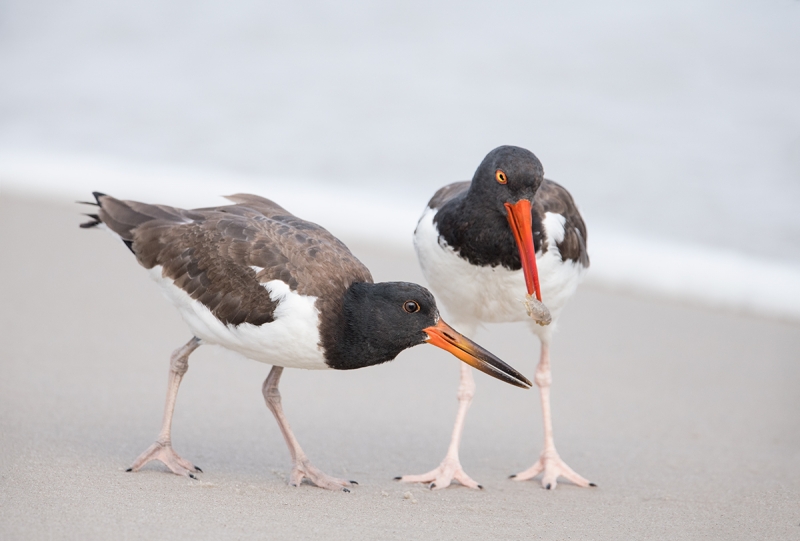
(411, 306)
(500, 176)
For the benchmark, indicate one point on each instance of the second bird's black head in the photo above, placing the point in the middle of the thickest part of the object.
(506, 175)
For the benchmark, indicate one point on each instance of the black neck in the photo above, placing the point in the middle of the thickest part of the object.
(479, 232)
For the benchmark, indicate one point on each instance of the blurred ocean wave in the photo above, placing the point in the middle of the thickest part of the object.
(675, 124)
(688, 272)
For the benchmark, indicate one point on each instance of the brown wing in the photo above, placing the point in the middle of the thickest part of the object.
(446, 193)
(552, 197)
(210, 253)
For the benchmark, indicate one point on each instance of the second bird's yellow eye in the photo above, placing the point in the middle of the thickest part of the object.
(500, 176)
(411, 306)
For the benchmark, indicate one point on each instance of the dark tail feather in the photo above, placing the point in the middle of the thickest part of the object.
(117, 215)
(122, 217)
(96, 202)
(95, 221)
(95, 218)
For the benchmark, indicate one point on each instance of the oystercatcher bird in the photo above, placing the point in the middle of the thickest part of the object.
(255, 279)
(508, 246)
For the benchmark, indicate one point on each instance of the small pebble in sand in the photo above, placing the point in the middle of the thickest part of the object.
(384, 494)
(407, 495)
(537, 310)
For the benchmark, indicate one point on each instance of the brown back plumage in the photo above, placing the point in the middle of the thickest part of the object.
(446, 193)
(210, 253)
(552, 197)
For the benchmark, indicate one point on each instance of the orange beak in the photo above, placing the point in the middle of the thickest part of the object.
(519, 218)
(442, 335)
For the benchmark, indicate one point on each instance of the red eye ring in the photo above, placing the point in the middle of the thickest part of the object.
(411, 306)
(500, 176)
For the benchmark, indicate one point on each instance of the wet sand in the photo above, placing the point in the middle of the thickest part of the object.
(687, 419)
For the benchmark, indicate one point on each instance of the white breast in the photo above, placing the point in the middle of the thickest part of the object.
(493, 294)
(291, 340)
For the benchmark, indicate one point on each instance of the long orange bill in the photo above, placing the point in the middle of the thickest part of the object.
(442, 335)
(519, 218)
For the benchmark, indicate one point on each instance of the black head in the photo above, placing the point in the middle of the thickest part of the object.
(381, 320)
(506, 175)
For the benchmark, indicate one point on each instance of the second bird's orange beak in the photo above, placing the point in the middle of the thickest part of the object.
(519, 218)
(445, 337)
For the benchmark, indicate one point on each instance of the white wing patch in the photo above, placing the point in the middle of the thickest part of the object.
(291, 340)
(554, 227)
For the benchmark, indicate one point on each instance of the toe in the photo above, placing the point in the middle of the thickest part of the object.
(530, 473)
(466, 480)
(421, 478)
(573, 477)
(296, 477)
(549, 480)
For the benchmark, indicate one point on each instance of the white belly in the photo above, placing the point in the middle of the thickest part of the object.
(291, 340)
(493, 294)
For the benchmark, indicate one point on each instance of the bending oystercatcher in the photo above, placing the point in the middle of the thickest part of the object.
(255, 279)
(508, 246)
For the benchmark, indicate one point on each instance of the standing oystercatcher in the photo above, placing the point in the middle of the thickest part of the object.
(482, 246)
(255, 279)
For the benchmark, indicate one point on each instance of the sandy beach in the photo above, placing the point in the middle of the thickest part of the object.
(687, 419)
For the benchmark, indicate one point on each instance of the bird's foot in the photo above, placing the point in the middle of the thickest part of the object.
(303, 469)
(442, 477)
(553, 467)
(164, 452)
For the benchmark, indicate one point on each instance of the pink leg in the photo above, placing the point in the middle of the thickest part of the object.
(450, 469)
(162, 448)
(549, 462)
(302, 467)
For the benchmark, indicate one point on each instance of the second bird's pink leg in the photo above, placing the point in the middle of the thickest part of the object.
(549, 462)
